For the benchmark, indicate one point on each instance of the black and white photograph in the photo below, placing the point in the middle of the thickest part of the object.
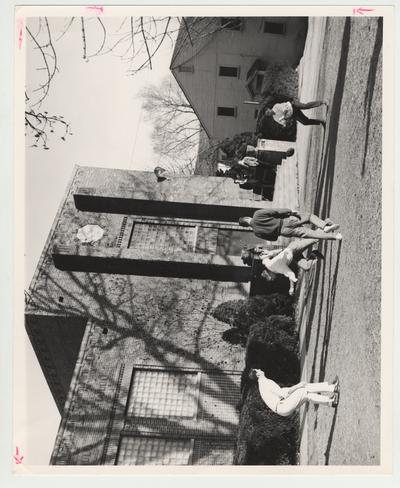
(203, 194)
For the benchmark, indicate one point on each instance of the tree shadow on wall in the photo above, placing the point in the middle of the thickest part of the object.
(146, 319)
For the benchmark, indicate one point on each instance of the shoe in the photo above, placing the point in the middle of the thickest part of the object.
(338, 236)
(316, 255)
(328, 221)
(336, 383)
(331, 227)
(335, 402)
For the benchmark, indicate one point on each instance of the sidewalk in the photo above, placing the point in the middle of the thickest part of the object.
(308, 86)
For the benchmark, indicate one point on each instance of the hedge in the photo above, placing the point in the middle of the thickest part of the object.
(264, 437)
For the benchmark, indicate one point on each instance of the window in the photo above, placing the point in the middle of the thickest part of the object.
(229, 71)
(231, 242)
(256, 113)
(163, 394)
(188, 68)
(231, 23)
(163, 237)
(135, 450)
(176, 417)
(274, 28)
(226, 111)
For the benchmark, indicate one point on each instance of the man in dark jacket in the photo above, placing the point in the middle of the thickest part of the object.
(270, 223)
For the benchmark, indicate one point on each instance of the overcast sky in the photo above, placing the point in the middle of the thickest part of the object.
(99, 100)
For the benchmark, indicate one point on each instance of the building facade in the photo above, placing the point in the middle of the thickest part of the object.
(119, 315)
(216, 62)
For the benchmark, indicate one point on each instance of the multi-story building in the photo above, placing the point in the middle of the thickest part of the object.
(119, 315)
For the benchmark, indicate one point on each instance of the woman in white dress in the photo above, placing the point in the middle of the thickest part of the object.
(278, 261)
(284, 401)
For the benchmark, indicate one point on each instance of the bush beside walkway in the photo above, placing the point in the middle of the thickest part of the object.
(265, 325)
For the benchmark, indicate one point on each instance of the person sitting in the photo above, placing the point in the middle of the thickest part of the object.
(281, 261)
(249, 162)
(285, 401)
(270, 223)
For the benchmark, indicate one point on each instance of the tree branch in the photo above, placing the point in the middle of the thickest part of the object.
(83, 37)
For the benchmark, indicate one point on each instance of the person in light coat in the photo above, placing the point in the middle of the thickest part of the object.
(285, 401)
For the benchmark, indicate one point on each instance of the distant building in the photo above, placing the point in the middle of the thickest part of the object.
(222, 62)
(119, 315)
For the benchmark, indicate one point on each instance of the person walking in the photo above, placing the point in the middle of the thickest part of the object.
(286, 112)
(285, 401)
(270, 223)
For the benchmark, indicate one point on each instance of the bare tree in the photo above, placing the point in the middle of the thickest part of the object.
(176, 127)
(135, 41)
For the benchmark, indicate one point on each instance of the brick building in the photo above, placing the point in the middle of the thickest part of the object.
(122, 328)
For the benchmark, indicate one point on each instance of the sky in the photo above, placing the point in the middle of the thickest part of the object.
(100, 101)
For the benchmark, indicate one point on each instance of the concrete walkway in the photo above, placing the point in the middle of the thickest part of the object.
(308, 85)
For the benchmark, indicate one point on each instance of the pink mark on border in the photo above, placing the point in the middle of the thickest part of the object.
(96, 8)
(20, 32)
(17, 456)
(361, 10)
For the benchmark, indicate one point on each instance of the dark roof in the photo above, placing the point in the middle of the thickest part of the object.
(194, 34)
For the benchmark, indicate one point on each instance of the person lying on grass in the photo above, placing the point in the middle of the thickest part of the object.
(284, 401)
(278, 261)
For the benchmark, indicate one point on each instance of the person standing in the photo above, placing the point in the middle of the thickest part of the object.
(284, 113)
(285, 401)
(270, 223)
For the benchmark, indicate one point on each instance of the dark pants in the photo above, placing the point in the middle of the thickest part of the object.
(299, 116)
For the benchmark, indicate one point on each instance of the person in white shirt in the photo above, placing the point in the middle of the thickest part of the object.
(284, 113)
(278, 261)
(284, 401)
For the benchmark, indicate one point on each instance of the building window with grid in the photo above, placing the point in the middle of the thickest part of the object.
(232, 23)
(163, 394)
(163, 237)
(229, 71)
(227, 111)
(179, 415)
(274, 28)
(188, 238)
(147, 450)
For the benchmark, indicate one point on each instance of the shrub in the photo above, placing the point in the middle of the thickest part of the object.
(234, 145)
(234, 336)
(264, 437)
(272, 346)
(243, 313)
